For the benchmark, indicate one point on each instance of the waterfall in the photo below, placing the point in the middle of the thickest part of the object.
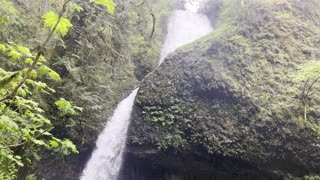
(185, 26)
(106, 159)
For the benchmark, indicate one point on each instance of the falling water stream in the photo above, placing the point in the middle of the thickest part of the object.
(106, 160)
(185, 26)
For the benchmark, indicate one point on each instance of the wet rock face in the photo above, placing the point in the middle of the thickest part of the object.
(172, 165)
(230, 101)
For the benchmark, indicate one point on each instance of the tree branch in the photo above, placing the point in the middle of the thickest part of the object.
(137, 5)
(14, 145)
(24, 142)
(311, 85)
(153, 24)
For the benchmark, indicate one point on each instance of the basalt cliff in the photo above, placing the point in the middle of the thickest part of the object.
(240, 103)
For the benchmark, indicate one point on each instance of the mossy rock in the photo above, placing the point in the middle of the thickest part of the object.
(236, 92)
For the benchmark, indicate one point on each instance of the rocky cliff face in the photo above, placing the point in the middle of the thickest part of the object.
(233, 105)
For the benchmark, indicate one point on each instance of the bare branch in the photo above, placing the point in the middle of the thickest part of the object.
(311, 85)
(138, 4)
(14, 145)
(153, 25)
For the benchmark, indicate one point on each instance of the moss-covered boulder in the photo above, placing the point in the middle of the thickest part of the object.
(247, 94)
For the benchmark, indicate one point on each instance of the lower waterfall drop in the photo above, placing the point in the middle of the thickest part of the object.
(106, 159)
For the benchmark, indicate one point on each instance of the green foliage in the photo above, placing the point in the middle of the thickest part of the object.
(309, 70)
(306, 78)
(315, 177)
(77, 7)
(252, 58)
(146, 49)
(9, 171)
(51, 19)
(109, 4)
(164, 116)
(94, 61)
(25, 129)
(22, 120)
(31, 177)
(66, 108)
(7, 14)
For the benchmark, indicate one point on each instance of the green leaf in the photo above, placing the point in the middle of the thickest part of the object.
(2, 48)
(33, 74)
(22, 92)
(109, 4)
(15, 55)
(43, 70)
(28, 61)
(62, 103)
(42, 59)
(47, 134)
(54, 144)
(46, 70)
(24, 50)
(54, 75)
(78, 108)
(68, 144)
(17, 161)
(78, 8)
(9, 76)
(51, 19)
(66, 108)
(39, 142)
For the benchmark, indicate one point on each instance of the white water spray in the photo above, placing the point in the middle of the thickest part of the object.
(185, 26)
(106, 159)
(194, 5)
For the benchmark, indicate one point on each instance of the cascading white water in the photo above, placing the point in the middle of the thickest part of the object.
(106, 159)
(185, 26)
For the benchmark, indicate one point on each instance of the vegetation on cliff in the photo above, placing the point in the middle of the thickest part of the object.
(247, 91)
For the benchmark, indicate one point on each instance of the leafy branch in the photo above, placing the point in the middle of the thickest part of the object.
(23, 125)
(39, 54)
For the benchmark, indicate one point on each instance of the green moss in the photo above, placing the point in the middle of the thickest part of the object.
(147, 41)
(233, 91)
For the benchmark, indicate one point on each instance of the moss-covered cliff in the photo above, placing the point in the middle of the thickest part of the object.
(247, 94)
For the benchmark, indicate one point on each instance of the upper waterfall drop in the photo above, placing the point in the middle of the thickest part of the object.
(106, 159)
(185, 26)
(194, 5)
